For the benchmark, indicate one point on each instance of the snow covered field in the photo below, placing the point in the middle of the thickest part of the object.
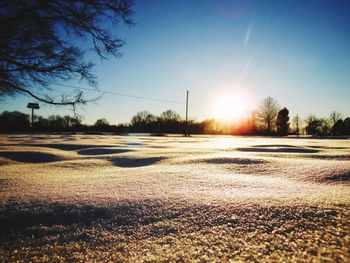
(95, 197)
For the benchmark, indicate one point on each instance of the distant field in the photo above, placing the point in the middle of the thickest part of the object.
(128, 198)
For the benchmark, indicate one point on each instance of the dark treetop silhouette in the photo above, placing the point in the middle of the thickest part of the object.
(282, 122)
(35, 46)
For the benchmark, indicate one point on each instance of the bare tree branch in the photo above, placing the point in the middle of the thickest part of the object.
(73, 102)
(35, 46)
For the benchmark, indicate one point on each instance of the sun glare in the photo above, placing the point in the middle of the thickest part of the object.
(229, 108)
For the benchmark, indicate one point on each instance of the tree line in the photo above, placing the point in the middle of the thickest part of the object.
(268, 119)
(275, 121)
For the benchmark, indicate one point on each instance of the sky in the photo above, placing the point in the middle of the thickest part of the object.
(297, 52)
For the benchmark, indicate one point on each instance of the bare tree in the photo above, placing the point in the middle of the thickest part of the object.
(36, 46)
(334, 117)
(297, 123)
(267, 114)
(101, 122)
(143, 118)
(170, 115)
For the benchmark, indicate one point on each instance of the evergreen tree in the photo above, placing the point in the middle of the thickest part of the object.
(282, 122)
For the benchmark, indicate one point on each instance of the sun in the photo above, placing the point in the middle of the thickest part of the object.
(229, 107)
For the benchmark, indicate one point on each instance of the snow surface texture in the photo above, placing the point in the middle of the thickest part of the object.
(127, 198)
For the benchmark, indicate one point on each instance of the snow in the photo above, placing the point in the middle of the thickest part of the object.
(134, 198)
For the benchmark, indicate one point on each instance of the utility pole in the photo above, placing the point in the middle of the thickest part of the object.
(187, 114)
(33, 106)
(297, 119)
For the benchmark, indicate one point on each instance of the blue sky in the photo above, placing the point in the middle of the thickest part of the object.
(295, 51)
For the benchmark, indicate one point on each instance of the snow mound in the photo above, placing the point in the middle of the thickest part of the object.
(279, 149)
(101, 151)
(30, 156)
(226, 160)
(341, 177)
(69, 147)
(130, 162)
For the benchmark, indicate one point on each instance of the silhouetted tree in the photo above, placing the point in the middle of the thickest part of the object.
(312, 125)
(252, 123)
(334, 117)
(101, 122)
(170, 115)
(142, 117)
(341, 127)
(56, 123)
(267, 114)
(325, 127)
(346, 129)
(14, 121)
(210, 126)
(144, 121)
(297, 123)
(76, 122)
(37, 47)
(171, 122)
(41, 123)
(338, 128)
(316, 126)
(282, 122)
(246, 126)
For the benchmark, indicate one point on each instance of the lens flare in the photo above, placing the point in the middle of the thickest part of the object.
(229, 108)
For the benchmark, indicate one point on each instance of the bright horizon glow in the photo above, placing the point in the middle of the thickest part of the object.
(229, 107)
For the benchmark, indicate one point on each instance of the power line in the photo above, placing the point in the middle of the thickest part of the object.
(119, 94)
(124, 94)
